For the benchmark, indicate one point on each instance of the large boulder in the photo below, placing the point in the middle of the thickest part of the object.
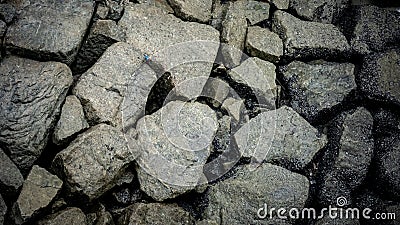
(31, 94)
(325, 11)
(10, 177)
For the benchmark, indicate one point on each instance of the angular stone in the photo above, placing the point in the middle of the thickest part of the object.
(238, 199)
(162, 4)
(235, 108)
(293, 144)
(379, 78)
(99, 217)
(10, 177)
(31, 94)
(175, 143)
(218, 14)
(3, 210)
(222, 139)
(93, 162)
(253, 11)
(195, 10)
(39, 189)
(325, 11)
(216, 90)
(3, 28)
(7, 13)
(35, 35)
(280, 4)
(72, 120)
(302, 39)
(264, 44)
(70, 216)
(318, 87)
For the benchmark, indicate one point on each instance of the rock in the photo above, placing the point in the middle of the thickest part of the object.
(39, 189)
(162, 4)
(302, 39)
(218, 14)
(216, 90)
(71, 216)
(326, 11)
(196, 10)
(102, 35)
(99, 217)
(3, 210)
(280, 4)
(259, 76)
(337, 221)
(264, 44)
(3, 29)
(187, 50)
(253, 11)
(386, 122)
(31, 94)
(222, 139)
(10, 177)
(239, 199)
(101, 12)
(293, 144)
(72, 120)
(119, 73)
(141, 213)
(7, 13)
(33, 34)
(174, 145)
(379, 76)
(318, 87)
(235, 108)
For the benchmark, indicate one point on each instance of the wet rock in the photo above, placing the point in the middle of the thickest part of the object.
(71, 216)
(31, 94)
(72, 120)
(318, 87)
(235, 108)
(93, 162)
(303, 39)
(264, 44)
(293, 144)
(102, 35)
(3, 210)
(216, 90)
(150, 213)
(280, 4)
(39, 189)
(7, 13)
(238, 199)
(10, 177)
(35, 35)
(379, 76)
(175, 143)
(197, 10)
(326, 11)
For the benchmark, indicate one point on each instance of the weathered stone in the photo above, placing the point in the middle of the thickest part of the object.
(102, 12)
(72, 120)
(237, 200)
(3, 28)
(155, 213)
(218, 14)
(35, 35)
(302, 39)
(280, 4)
(216, 90)
(99, 217)
(379, 78)
(386, 122)
(196, 10)
(162, 4)
(264, 44)
(318, 87)
(39, 189)
(222, 139)
(325, 11)
(174, 145)
(70, 216)
(3, 210)
(102, 35)
(253, 11)
(31, 94)
(115, 9)
(235, 108)
(7, 13)
(10, 177)
(93, 162)
(293, 144)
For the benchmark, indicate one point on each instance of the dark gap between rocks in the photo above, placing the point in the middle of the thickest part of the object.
(159, 92)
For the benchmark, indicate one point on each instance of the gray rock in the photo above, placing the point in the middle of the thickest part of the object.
(379, 76)
(222, 139)
(162, 4)
(175, 143)
(155, 213)
(235, 108)
(39, 189)
(326, 11)
(293, 144)
(302, 39)
(99, 217)
(71, 216)
(94, 161)
(264, 44)
(10, 177)
(318, 87)
(45, 39)
(102, 12)
(216, 90)
(3, 210)
(280, 4)
(337, 221)
(253, 11)
(3, 28)
(7, 13)
(218, 14)
(195, 10)
(72, 120)
(238, 199)
(31, 94)
(102, 35)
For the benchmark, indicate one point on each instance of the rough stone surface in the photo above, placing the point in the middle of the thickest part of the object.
(71, 216)
(253, 11)
(264, 44)
(235, 108)
(39, 33)
(302, 39)
(196, 10)
(337, 221)
(379, 78)
(72, 120)
(217, 90)
(162, 4)
(3, 210)
(10, 177)
(3, 28)
(280, 4)
(175, 143)
(218, 14)
(293, 144)
(237, 199)
(7, 13)
(93, 162)
(31, 94)
(325, 11)
(318, 87)
(39, 189)
(222, 139)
